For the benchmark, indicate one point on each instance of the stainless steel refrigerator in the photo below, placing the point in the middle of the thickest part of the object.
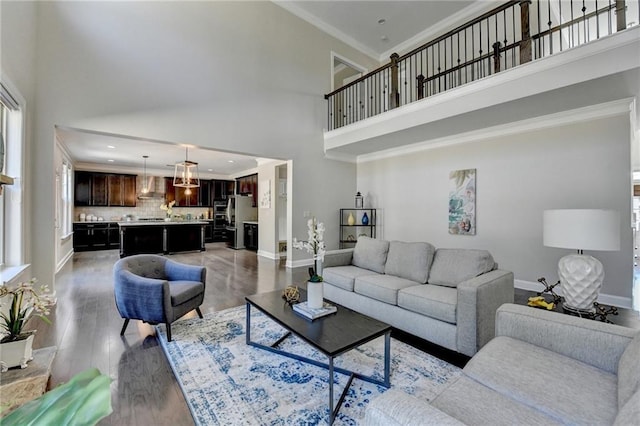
(239, 210)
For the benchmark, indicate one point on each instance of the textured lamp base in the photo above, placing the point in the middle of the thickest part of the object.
(581, 277)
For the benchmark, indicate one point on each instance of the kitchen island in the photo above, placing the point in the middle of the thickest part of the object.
(138, 237)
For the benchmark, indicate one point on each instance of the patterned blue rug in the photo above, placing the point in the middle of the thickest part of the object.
(226, 382)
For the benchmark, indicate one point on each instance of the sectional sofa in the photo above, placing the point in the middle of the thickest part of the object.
(446, 296)
(543, 368)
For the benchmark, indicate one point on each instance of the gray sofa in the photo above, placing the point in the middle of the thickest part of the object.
(543, 368)
(446, 296)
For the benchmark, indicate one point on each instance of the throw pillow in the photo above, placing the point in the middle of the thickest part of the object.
(370, 254)
(409, 260)
(452, 266)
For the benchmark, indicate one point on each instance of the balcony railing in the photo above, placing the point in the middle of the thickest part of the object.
(514, 33)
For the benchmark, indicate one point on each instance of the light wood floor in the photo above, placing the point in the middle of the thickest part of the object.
(86, 328)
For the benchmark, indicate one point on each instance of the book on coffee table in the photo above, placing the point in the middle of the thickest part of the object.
(309, 313)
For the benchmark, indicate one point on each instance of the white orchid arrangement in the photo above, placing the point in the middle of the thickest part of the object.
(314, 245)
(168, 207)
(25, 301)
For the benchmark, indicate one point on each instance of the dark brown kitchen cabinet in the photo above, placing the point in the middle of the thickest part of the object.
(122, 190)
(95, 236)
(223, 189)
(104, 189)
(248, 185)
(180, 195)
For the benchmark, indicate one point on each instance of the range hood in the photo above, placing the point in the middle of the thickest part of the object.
(156, 189)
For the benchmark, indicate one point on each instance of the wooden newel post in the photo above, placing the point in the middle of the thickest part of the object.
(496, 56)
(621, 15)
(525, 43)
(394, 95)
(420, 86)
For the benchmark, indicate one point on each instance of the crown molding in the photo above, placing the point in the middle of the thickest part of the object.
(329, 29)
(468, 13)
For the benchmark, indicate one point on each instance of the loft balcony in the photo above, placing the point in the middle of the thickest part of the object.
(520, 60)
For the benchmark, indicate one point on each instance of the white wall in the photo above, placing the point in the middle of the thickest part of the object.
(583, 165)
(247, 77)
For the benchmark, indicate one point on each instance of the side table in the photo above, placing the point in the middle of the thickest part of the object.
(18, 386)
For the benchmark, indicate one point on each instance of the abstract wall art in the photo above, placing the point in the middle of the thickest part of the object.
(462, 202)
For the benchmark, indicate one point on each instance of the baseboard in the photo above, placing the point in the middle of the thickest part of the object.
(268, 255)
(64, 261)
(606, 299)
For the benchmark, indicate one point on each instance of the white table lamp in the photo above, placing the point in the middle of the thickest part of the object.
(581, 275)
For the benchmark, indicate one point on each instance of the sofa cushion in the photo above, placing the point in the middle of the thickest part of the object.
(381, 287)
(474, 404)
(434, 301)
(409, 260)
(344, 276)
(630, 412)
(629, 371)
(561, 387)
(452, 266)
(371, 254)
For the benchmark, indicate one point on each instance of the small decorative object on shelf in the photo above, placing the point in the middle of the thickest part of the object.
(359, 201)
(365, 219)
(351, 220)
(291, 294)
(313, 313)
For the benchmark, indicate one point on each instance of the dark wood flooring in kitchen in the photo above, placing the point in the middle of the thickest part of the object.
(86, 325)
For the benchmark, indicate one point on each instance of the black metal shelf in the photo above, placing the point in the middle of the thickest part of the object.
(348, 239)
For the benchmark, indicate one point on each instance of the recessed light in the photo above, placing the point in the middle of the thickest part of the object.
(230, 161)
(381, 21)
(111, 147)
(111, 161)
(210, 170)
(384, 38)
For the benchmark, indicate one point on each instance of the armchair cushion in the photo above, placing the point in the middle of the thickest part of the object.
(452, 266)
(560, 386)
(182, 291)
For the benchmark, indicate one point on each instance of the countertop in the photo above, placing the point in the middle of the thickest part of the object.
(251, 222)
(162, 223)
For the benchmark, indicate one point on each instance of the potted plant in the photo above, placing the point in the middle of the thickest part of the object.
(315, 246)
(25, 301)
(168, 208)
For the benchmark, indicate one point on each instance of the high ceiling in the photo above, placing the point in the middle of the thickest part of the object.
(376, 28)
(379, 28)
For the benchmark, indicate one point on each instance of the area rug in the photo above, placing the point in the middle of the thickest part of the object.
(226, 382)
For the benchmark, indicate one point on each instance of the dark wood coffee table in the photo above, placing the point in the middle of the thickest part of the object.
(332, 335)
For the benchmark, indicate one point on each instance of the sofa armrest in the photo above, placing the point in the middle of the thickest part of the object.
(478, 300)
(593, 342)
(338, 258)
(395, 408)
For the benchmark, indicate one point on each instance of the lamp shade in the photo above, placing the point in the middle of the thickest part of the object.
(582, 229)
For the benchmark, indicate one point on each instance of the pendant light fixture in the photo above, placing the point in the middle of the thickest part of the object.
(145, 181)
(186, 173)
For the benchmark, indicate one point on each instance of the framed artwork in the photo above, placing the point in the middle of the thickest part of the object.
(462, 202)
(265, 194)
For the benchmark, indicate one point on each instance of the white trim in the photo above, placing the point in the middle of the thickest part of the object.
(268, 255)
(11, 274)
(333, 55)
(607, 109)
(323, 26)
(607, 299)
(64, 260)
(341, 156)
(468, 13)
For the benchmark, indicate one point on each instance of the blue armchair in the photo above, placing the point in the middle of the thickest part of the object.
(156, 290)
